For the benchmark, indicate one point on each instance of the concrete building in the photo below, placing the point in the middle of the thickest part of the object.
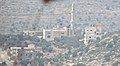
(92, 32)
(15, 50)
(50, 34)
(24, 53)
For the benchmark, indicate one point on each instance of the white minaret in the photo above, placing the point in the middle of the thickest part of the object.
(71, 21)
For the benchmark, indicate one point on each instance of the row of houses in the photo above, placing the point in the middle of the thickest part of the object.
(50, 33)
(91, 32)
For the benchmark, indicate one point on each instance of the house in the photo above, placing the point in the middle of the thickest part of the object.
(50, 34)
(15, 50)
(24, 53)
(92, 32)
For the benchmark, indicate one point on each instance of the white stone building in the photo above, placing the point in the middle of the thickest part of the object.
(50, 34)
(92, 32)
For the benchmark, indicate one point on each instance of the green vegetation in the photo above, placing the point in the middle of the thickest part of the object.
(68, 42)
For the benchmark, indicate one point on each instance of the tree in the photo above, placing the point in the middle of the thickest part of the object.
(24, 62)
(107, 56)
(75, 54)
(58, 64)
(116, 63)
(3, 64)
(109, 45)
(68, 42)
(35, 63)
(39, 55)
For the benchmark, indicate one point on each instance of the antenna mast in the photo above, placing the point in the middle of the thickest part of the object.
(72, 19)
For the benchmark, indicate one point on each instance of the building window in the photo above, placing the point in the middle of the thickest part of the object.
(32, 33)
(62, 33)
(48, 36)
(61, 36)
(89, 36)
(98, 30)
(97, 33)
(21, 54)
(91, 25)
(49, 33)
